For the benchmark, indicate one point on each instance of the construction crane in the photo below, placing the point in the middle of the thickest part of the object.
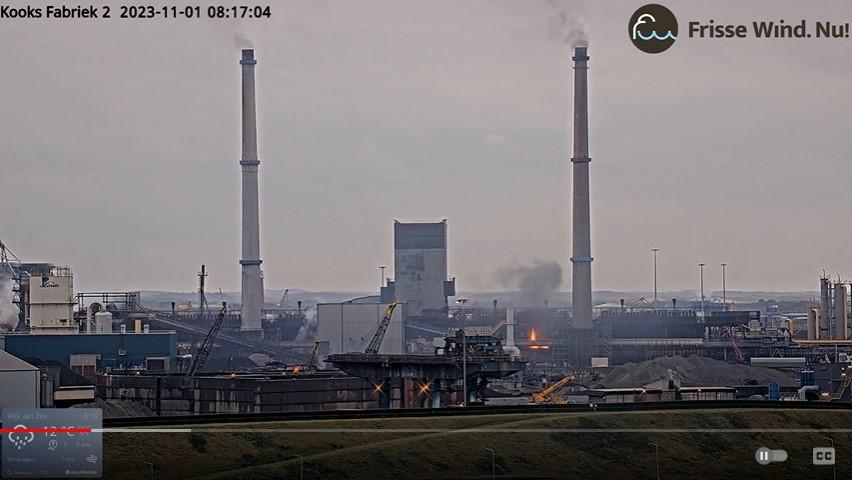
(207, 344)
(311, 364)
(376, 341)
(738, 353)
(12, 269)
(7, 258)
(548, 395)
(312, 358)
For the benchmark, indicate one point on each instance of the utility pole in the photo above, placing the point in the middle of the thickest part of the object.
(724, 297)
(462, 302)
(655, 250)
(701, 276)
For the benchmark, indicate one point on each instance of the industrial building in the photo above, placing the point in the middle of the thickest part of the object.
(107, 337)
(92, 353)
(420, 270)
(93, 339)
(20, 381)
(347, 327)
(457, 373)
(831, 319)
(420, 285)
(272, 391)
(51, 302)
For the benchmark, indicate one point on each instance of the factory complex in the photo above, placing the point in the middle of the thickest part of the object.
(414, 343)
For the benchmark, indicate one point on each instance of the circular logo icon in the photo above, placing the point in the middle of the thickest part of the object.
(652, 28)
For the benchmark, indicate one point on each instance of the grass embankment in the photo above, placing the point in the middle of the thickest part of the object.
(526, 446)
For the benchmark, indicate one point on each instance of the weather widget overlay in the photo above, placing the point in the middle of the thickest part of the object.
(54, 443)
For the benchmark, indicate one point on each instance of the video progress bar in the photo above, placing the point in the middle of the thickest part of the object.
(470, 430)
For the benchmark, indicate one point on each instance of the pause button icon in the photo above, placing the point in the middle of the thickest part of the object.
(765, 456)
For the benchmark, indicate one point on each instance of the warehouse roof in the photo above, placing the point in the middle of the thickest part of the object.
(11, 363)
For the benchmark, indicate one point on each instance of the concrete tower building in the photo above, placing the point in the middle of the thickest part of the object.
(581, 254)
(252, 277)
(420, 268)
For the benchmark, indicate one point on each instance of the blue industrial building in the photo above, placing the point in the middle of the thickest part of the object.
(90, 353)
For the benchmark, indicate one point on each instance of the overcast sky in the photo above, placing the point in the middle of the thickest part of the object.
(120, 144)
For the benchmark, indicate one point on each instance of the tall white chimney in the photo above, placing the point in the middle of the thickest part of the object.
(581, 254)
(252, 278)
(510, 327)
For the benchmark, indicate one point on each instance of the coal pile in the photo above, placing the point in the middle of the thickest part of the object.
(694, 371)
(119, 408)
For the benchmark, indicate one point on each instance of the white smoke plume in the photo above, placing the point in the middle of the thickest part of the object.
(8, 311)
(537, 281)
(242, 41)
(566, 24)
(309, 328)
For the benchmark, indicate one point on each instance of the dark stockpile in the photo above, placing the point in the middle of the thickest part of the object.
(694, 371)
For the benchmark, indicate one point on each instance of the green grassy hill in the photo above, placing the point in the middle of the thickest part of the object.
(707, 444)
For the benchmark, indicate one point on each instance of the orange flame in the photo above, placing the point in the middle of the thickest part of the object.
(532, 335)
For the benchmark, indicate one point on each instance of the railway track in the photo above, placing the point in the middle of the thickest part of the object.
(453, 411)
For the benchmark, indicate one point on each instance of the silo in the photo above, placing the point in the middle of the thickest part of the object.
(813, 324)
(841, 310)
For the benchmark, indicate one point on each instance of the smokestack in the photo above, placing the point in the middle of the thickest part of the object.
(581, 254)
(510, 327)
(252, 278)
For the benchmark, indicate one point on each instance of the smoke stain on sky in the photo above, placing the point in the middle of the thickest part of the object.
(566, 23)
(242, 41)
(537, 281)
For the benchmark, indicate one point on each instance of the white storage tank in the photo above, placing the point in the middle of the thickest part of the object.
(103, 322)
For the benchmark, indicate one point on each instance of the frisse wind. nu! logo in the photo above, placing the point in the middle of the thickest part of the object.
(653, 28)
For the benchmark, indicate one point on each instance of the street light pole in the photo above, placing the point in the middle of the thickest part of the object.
(657, 456)
(493, 456)
(655, 250)
(724, 297)
(701, 276)
(462, 302)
